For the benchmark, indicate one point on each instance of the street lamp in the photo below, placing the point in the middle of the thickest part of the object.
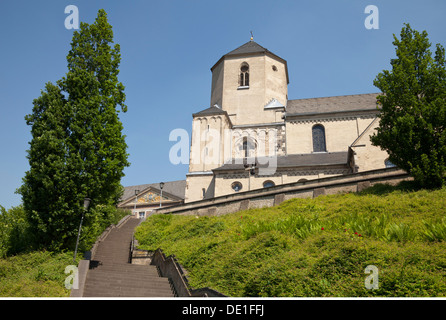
(251, 170)
(161, 197)
(86, 205)
(134, 209)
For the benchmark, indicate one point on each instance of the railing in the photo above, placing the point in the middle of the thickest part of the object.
(170, 268)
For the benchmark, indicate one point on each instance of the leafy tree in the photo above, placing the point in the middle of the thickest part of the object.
(77, 148)
(14, 235)
(413, 108)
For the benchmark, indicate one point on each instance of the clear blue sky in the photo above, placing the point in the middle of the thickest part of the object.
(167, 50)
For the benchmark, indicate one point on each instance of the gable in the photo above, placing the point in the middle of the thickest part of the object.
(364, 138)
(149, 196)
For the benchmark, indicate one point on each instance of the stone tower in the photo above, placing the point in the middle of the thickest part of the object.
(248, 99)
(250, 83)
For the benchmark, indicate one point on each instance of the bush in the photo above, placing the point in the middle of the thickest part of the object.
(15, 235)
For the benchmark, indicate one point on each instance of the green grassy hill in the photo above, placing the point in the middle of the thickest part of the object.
(35, 274)
(314, 247)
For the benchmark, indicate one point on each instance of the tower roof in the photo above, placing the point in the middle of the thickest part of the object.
(250, 48)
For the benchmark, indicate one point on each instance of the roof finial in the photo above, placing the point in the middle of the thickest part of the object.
(252, 36)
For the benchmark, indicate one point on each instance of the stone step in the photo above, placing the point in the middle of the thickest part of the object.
(123, 273)
(112, 276)
(123, 292)
(110, 283)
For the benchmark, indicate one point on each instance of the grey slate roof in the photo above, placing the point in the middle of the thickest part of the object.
(249, 47)
(209, 111)
(176, 188)
(296, 160)
(332, 104)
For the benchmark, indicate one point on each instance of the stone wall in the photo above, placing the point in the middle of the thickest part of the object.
(272, 196)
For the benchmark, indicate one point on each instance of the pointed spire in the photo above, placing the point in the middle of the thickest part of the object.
(252, 36)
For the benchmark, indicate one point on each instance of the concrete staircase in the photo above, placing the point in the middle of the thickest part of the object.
(111, 274)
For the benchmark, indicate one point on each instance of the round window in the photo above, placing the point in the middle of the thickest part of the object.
(236, 186)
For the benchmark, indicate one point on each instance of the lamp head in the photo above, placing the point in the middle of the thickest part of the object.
(86, 203)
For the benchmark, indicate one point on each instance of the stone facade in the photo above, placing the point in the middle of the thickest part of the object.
(252, 136)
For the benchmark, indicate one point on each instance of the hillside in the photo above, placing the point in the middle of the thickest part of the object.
(35, 274)
(314, 247)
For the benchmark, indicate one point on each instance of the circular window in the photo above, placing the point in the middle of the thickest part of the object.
(268, 184)
(274, 68)
(236, 186)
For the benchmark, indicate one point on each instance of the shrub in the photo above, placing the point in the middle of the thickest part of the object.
(15, 235)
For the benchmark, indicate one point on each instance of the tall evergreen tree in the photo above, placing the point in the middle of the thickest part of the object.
(412, 127)
(77, 148)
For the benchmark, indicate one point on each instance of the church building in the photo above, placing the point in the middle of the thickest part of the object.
(252, 136)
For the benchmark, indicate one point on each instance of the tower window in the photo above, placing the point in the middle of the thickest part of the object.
(318, 132)
(244, 75)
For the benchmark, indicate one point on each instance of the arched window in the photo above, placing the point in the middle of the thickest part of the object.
(268, 184)
(319, 138)
(248, 147)
(244, 75)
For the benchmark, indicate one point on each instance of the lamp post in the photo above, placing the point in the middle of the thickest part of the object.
(251, 170)
(86, 205)
(136, 201)
(161, 197)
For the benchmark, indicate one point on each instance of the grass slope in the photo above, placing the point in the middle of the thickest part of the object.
(35, 274)
(314, 247)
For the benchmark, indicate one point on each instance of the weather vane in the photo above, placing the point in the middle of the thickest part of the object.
(252, 36)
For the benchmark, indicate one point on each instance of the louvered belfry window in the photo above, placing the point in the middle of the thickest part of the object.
(319, 138)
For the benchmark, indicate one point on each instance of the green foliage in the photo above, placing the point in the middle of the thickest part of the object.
(435, 231)
(314, 247)
(413, 108)
(77, 148)
(25, 272)
(14, 231)
(17, 237)
(35, 274)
